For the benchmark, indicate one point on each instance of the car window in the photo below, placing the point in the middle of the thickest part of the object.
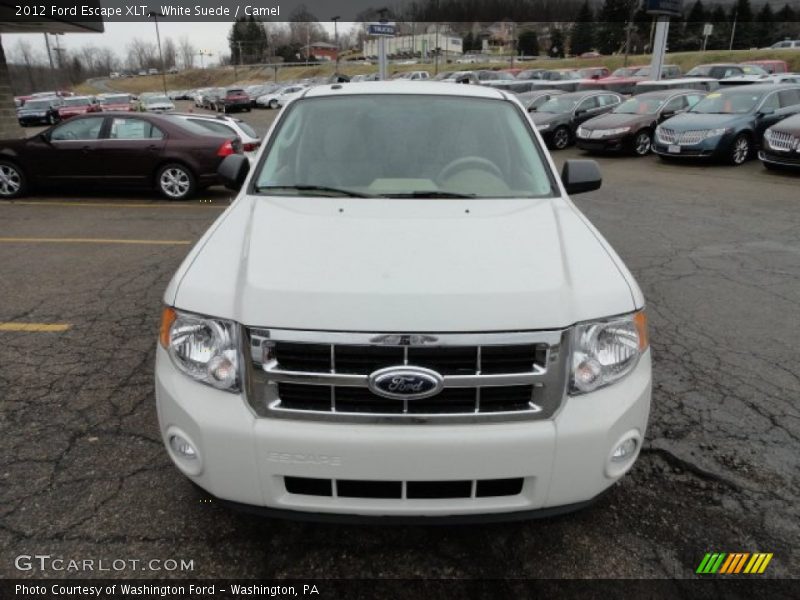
(134, 129)
(214, 126)
(472, 146)
(608, 100)
(788, 98)
(675, 104)
(78, 129)
(770, 102)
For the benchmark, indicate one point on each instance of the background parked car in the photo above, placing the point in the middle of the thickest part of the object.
(231, 99)
(227, 126)
(77, 105)
(728, 123)
(630, 126)
(115, 102)
(37, 111)
(781, 145)
(116, 149)
(558, 118)
(280, 97)
(155, 103)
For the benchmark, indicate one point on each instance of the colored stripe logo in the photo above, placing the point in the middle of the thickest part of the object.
(734, 563)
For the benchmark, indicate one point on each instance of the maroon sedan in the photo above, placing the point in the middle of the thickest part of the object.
(117, 149)
(77, 105)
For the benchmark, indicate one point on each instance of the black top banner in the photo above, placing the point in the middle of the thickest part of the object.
(483, 11)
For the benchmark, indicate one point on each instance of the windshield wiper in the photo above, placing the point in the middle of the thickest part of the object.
(428, 194)
(313, 188)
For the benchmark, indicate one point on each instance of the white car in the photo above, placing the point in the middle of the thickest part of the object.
(226, 125)
(155, 102)
(373, 332)
(280, 97)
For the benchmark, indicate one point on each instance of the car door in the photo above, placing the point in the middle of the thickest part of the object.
(132, 150)
(767, 114)
(586, 109)
(70, 151)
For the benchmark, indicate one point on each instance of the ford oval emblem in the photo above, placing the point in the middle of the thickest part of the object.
(405, 383)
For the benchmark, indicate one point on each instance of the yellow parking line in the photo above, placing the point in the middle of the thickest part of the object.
(12, 240)
(115, 204)
(44, 327)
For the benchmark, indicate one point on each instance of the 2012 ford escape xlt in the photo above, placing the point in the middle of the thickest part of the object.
(403, 315)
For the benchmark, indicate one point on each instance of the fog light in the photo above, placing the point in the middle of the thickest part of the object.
(624, 451)
(181, 447)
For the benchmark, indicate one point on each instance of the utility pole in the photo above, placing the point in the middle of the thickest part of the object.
(154, 15)
(336, 40)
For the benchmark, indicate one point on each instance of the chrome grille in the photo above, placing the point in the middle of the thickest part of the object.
(486, 377)
(681, 138)
(781, 140)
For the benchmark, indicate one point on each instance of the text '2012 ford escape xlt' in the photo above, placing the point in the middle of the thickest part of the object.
(403, 315)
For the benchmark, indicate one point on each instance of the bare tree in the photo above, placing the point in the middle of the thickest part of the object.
(142, 54)
(24, 53)
(170, 53)
(187, 52)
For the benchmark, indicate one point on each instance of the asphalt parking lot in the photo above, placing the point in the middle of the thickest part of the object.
(83, 473)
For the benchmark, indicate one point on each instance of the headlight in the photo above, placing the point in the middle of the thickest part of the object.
(205, 349)
(715, 132)
(543, 126)
(605, 351)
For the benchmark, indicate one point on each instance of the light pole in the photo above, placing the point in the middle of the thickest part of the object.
(154, 15)
(336, 40)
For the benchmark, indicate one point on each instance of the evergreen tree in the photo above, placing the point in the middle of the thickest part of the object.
(528, 43)
(764, 27)
(743, 16)
(695, 21)
(582, 35)
(556, 43)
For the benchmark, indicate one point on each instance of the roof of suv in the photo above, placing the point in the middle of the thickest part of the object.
(431, 88)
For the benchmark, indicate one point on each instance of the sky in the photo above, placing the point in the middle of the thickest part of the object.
(206, 36)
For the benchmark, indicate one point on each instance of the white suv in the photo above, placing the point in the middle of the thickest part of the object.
(403, 315)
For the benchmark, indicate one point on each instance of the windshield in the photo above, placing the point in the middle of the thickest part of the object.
(76, 101)
(729, 103)
(640, 106)
(37, 104)
(115, 99)
(404, 146)
(158, 100)
(558, 105)
(625, 71)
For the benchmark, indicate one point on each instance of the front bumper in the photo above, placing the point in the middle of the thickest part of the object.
(783, 159)
(564, 462)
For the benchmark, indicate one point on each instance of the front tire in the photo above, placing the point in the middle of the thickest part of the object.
(642, 143)
(739, 151)
(176, 182)
(561, 138)
(13, 183)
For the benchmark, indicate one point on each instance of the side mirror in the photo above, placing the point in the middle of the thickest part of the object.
(579, 176)
(233, 170)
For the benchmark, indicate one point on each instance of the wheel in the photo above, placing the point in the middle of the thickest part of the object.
(561, 138)
(176, 182)
(273, 104)
(642, 143)
(12, 180)
(739, 151)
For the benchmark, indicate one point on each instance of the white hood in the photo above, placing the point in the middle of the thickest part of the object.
(383, 265)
